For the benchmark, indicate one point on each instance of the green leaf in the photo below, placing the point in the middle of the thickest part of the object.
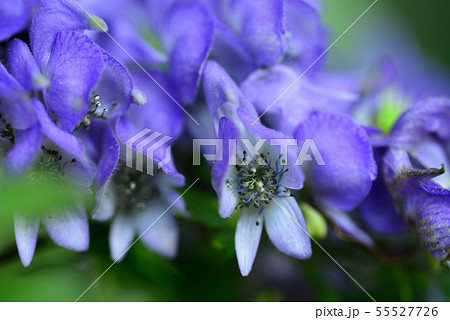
(36, 196)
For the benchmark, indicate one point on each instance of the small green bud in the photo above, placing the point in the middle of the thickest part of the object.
(315, 222)
(139, 97)
(40, 81)
(97, 23)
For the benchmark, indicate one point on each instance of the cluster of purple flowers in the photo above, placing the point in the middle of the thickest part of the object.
(80, 78)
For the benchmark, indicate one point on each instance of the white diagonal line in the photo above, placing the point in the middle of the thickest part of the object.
(315, 61)
(318, 244)
(137, 63)
(134, 242)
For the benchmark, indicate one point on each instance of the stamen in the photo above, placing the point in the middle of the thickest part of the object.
(257, 182)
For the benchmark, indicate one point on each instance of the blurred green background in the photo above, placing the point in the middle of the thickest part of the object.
(206, 267)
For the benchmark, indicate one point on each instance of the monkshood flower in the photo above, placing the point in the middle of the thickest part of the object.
(96, 88)
(310, 110)
(421, 137)
(250, 34)
(43, 146)
(177, 36)
(73, 59)
(421, 201)
(133, 199)
(14, 16)
(260, 184)
(71, 51)
(59, 155)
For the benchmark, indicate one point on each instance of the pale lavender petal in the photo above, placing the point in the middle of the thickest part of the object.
(26, 230)
(160, 233)
(104, 203)
(247, 237)
(120, 236)
(69, 228)
(289, 236)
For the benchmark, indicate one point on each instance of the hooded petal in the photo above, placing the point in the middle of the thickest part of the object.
(344, 177)
(289, 236)
(188, 36)
(23, 67)
(159, 230)
(426, 117)
(74, 68)
(26, 230)
(15, 105)
(67, 141)
(102, 148)
(114, 87)
(120, 236)
(69, 228)
(222, 170)
(305, 34)
(27, 144)
(223, 96)
(247, 238)
(53, 16)
(259, 25)
(433, 219)
(14, 16)
(230, 52)
(262, 30)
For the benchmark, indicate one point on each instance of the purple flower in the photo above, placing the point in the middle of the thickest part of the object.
(62, 155)
(140, 205)
(421, 201)
(53, 16)
(316, 108)
(181, 36)
(259, 185)
(135, 200)
(253, 34)
(76, 78)
(14, 16)
(421, 136)
(42, 145)
(26, 79)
